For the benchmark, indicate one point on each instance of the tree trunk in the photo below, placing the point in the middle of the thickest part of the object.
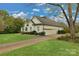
(71, 25)
(72, 30)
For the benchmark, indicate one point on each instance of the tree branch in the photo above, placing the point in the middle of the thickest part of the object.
(62, 11)
(77, 10)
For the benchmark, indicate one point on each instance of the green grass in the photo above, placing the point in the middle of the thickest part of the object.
(47, 48)
(9, 38)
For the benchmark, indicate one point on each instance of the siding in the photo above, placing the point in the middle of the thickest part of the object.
(38, 28)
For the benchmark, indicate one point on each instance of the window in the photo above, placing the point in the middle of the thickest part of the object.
(27, 24)
(30, 28)
(26, 29)
(38, 28)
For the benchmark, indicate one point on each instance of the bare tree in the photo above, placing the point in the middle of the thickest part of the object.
(69, 18)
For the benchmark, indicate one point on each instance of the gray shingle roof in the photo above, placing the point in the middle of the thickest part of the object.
(47, 21)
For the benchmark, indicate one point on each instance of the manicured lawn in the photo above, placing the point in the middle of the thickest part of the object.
(8, 38)
(47, 48)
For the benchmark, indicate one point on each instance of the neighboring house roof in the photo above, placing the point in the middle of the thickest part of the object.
(47, 21)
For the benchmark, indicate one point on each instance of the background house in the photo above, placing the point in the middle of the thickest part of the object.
(41, 24)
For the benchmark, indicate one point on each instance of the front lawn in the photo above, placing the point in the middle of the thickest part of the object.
(9, 38)
(47, 48)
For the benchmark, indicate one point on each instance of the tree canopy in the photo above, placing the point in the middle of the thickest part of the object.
(9, 24)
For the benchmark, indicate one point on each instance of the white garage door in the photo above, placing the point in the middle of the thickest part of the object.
(50, 32)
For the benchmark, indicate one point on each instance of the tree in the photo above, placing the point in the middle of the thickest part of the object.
(18, 24)
(13, 25)
(1, 25)
(10, 25)
(69, 18)
(3, 14)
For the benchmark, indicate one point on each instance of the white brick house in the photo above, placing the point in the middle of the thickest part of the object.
(41, 24)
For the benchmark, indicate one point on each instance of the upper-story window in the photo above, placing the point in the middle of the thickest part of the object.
(27, 24)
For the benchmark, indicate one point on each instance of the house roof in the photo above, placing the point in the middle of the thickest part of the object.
(47, 21)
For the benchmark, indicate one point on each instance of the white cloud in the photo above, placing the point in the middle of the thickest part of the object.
(62, 5)
(40, 4)
(20, 14)
(14, 15)
(48, 9)
(61, 15)
(77, 20)
(58, 19)
(41, 15)
(36, 10)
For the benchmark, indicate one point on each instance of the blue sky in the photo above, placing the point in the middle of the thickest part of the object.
(28, 10)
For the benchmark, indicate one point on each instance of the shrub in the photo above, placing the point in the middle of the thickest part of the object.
(68, 38)
(1, 32)
(61, 32)
(65, 38)
(34, 32)
(41, 33)
(76, 40)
